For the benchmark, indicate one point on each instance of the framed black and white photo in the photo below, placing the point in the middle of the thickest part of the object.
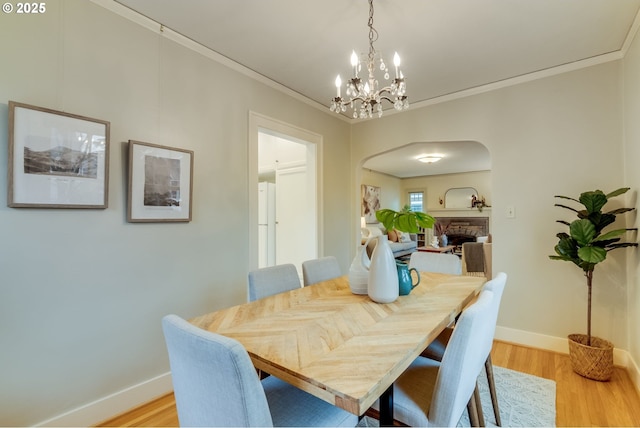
(160, 183)
(56, 159)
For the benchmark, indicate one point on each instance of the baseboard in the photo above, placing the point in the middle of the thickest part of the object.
(113, 404)
(621, 357)
(634, 372)
(533, 340)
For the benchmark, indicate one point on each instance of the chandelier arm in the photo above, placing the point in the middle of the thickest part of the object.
(361, 99)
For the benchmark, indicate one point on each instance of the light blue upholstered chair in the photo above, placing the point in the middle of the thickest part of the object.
(436, 349)
(436, 262)
(215, 384)
(431, 393)
(318, 270)
(272, 280)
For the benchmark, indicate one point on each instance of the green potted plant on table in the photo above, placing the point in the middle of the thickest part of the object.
(586, 245)
(405, 220)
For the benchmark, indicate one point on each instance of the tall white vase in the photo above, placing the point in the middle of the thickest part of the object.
(383, 275)
(359, 270)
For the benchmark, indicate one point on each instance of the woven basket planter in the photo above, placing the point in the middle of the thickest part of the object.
(593, 362)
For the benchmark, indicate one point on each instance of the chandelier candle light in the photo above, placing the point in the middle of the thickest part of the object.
(369, 95)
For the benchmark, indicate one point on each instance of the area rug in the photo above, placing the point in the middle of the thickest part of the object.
(524, 400)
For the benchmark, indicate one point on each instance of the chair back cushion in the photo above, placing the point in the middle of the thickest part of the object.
(272, 280)
(461, 363)
(318, 270)
(435, 262)
(214, 381)
(496, 285)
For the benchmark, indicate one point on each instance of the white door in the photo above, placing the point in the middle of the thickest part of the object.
(295, 217)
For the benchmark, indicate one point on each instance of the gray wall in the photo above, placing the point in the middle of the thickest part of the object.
(631, 113)
(82, 291)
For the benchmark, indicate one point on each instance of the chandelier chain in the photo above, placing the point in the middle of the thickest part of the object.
(373, 34)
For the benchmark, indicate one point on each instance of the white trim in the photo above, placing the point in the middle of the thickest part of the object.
(533, 340)
(113, 404)
(631, 35)
(621, 357)
(634, 372)
(261, 123)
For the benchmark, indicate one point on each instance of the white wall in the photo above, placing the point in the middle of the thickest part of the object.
(83, 291)
(558, 135)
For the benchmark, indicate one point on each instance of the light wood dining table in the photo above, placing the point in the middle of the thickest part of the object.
(342, 347)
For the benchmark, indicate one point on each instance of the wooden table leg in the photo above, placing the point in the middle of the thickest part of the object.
(386, 408)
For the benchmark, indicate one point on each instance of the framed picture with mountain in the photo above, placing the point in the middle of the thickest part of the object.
(56, 159)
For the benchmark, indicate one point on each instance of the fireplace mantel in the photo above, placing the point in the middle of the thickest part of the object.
(453, 212)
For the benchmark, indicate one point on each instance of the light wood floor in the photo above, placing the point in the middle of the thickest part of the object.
(579, 401)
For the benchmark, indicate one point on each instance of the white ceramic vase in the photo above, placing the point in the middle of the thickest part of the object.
(383, 275)
(359, 270)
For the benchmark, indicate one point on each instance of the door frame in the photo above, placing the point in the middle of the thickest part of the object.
(258, 123)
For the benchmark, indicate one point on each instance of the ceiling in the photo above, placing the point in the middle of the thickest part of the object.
(447, 47)
(458, 156)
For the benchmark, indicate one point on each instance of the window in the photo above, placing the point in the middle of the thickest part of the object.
(416, 201)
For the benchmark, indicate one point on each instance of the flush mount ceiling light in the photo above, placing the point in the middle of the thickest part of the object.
(430, 158)
(366, 97)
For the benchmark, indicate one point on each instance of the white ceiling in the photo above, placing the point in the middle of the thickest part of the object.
(447, 46)
(458, 156)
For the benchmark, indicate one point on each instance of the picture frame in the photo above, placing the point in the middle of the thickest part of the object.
(370, 202)
(160, 183)
(56, 159)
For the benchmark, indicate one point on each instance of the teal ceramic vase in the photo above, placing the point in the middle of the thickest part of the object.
(405, 281)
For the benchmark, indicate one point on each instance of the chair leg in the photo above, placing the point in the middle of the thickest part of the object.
(476, 397)
(261, 374)
(476, 418)
(472, 410)
(492, 389)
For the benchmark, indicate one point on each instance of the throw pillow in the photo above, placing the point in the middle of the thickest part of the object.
(404, 237)
(393, 235)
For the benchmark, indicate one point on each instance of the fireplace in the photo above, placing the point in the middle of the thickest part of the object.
(464, 229)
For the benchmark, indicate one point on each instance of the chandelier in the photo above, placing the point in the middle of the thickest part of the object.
(366, 97)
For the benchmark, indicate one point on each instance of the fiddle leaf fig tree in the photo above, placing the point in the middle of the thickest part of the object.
(587, 244)
(405, 220)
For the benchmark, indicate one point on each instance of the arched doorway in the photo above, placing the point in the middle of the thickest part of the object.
(402, 179)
